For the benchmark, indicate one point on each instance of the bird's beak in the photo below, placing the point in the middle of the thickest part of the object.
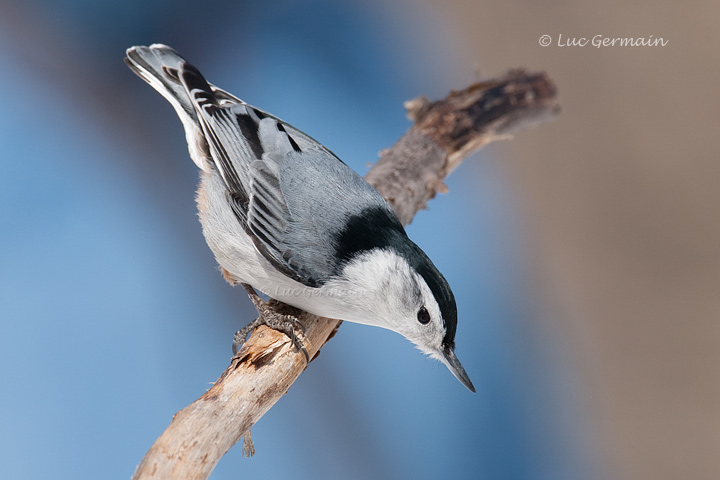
(451, 361)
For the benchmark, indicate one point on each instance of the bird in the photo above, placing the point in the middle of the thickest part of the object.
(284, 216)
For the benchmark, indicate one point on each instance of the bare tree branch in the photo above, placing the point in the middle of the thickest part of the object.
(407, 175)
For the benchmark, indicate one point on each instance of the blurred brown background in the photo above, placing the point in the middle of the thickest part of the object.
(619, 198)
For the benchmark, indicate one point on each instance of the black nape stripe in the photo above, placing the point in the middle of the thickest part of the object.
(374, 227)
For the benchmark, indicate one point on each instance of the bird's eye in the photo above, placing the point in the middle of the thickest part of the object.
(423, 315)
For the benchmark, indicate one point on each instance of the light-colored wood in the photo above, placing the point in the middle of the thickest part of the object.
(261, 373)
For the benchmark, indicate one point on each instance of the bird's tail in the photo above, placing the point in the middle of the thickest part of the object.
(159, 65)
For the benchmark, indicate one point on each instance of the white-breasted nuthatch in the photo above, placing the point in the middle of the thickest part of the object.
(284, 215)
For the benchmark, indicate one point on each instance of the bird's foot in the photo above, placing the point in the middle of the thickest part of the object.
(269, 317)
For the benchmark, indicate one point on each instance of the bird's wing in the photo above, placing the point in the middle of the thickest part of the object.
(261, 159)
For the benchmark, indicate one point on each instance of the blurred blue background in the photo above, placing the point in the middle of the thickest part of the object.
(113, 315)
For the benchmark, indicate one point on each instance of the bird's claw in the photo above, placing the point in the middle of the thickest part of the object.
(267, 316)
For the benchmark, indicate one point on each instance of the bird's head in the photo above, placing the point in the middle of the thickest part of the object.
(406, 293)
